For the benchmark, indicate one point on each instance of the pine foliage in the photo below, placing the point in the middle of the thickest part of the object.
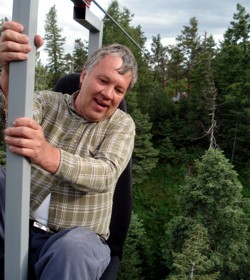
(212, 200)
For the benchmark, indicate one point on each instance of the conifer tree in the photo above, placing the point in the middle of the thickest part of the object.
(189, 44)
(80, 54)
(201, 96)
(212, 197)
(193, 262)
(177, 81)
(41, 74)
(144, 155)
(54, 46)
(159, 60)
(232, 77)
(135, 248)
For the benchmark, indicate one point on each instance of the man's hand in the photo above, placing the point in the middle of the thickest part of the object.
(26, 138)
(14, 46)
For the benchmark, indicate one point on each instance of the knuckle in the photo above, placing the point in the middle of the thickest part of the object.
(7, 34)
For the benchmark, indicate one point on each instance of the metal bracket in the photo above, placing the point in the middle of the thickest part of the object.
(86, 18)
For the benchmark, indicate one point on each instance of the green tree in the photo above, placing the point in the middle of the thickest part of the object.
(159, 60)
(189, 44)
(80, 55)
(201, 97)
(54, 46)
(213, 199)
(68, 63)
(155, 203)
(113, 34)
(135, 249)
(196, 100)
(41, 74)
(232, 77)
(192, 262)
(181, 112)
(177, 82)
(144, 155)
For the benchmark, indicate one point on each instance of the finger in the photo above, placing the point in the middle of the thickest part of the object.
(26, 122)
(12, 35)
(21, 151)
(24, 147)
(12, 56)
(13, 25)
(23, 129)
(14, 136)
(18, 132)
(10, 46)
(19, 142)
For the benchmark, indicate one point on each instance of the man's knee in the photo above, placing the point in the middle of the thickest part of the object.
(82, 244)
(78, 252)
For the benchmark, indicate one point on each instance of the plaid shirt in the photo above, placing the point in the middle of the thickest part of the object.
(93, 155)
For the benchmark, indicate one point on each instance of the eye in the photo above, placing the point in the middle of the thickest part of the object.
(103, 81)
(119, 91)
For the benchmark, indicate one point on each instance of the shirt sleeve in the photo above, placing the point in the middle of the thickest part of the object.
(100, 172)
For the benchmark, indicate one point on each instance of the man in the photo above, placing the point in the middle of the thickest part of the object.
(78, 146)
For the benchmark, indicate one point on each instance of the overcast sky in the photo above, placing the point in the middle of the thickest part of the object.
(164, 17)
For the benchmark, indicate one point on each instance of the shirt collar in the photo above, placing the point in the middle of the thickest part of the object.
(72, 107)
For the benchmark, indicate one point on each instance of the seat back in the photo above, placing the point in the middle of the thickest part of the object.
(123, 197)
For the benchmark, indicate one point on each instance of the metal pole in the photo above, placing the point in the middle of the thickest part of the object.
(21, 88)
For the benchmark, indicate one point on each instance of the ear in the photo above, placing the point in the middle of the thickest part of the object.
(83, 74)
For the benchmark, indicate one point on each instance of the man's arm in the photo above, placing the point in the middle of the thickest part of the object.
(26, 136)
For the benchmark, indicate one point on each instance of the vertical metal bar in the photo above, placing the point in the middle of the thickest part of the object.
(21, 88)
(95, 41)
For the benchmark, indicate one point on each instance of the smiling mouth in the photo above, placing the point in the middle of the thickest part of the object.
(100, 103)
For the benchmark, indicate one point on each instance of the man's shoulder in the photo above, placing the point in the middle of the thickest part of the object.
(51, 99)
(122, 114)
(48, 95)
(122, 118)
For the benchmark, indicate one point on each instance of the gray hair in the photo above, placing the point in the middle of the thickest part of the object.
(129, 63)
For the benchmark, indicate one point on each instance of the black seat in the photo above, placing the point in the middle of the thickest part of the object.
(123, 197)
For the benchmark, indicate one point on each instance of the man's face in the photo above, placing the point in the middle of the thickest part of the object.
(102, 90)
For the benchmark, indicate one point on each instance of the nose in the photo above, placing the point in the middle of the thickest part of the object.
(108, 93)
